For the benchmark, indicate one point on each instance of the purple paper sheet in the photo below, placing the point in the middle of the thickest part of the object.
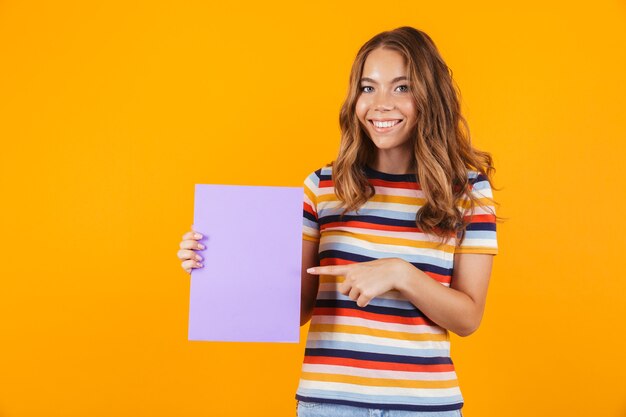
(249, 287)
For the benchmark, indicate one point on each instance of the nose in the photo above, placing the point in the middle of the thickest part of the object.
(383, 102)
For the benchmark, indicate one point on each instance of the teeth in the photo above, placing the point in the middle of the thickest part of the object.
(385, 124)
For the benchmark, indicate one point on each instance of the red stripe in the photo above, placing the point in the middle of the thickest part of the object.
(380, 183)
(309, 209)
(365, 225)
(481, 218)
(439, 277)
(389, 366)
(334, 261)
(390, 184)
(385, 318)
(374, 226)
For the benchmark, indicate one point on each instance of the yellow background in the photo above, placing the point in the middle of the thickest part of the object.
(110, 112)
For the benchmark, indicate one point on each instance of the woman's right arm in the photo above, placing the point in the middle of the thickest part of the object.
(310, 283)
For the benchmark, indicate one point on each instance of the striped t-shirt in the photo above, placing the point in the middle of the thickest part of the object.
(388, 354)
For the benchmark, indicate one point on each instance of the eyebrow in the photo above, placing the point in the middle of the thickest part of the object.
(392, 81)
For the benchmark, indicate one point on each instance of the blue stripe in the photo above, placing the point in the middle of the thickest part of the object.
(482, 226)
(373, 254)
(343, 255)
(370, 219)
(389, 311)
(309, 220)
(388, 214)
(378, 357)
(369, 348)
(481, 185)
(377, 301)
(389, 402)
(324, 173)
(481, 234)
(348, 256)
(315, 178)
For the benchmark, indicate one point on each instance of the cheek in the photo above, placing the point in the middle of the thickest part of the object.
(361, 109)
(409, 109)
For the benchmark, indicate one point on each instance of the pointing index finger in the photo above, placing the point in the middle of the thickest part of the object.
(329, 270)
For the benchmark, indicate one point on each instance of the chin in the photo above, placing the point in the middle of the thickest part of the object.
(385, 145)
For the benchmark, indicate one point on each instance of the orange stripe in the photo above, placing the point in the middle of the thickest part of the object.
(483, 201)
(374, 332)
(392, 241)
(477, 250)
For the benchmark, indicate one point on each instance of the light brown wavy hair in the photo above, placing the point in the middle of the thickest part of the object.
(441, 139)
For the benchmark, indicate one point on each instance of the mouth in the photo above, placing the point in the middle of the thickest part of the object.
(383, 126)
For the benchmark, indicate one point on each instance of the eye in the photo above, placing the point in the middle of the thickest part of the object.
(365, 86)
(405, 86)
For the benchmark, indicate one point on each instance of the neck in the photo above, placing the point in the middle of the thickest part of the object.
(394, 161)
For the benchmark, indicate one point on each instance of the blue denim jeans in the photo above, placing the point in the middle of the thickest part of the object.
(310, 409)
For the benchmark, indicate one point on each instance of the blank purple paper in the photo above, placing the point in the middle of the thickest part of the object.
(249, 287)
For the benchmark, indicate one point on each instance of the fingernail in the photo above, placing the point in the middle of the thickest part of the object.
(200, 245)
(310, 270)
(199, 264)
(198, 236)
(198, 257)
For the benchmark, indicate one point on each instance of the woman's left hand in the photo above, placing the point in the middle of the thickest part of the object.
(366, 280)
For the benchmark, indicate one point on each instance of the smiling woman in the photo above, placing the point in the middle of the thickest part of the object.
(398, 241)
(404, 235)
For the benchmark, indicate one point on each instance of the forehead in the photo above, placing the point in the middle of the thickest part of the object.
(383, 63)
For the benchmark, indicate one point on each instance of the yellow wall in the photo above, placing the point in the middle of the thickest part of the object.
(111, 111)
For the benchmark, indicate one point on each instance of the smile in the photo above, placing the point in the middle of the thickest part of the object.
(384, 126)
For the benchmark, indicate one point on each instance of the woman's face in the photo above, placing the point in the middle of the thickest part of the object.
(384, 97)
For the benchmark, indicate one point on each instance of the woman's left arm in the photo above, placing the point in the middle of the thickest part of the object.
(458, 308)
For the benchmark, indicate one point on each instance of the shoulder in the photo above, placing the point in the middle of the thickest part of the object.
(478, 181)
(322, 174)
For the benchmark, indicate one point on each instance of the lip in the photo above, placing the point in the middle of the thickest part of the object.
(384, 129)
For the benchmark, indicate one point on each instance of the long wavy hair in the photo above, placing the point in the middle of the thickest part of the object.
(442, 148)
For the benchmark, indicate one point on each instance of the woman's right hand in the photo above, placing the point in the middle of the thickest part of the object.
(187, 253)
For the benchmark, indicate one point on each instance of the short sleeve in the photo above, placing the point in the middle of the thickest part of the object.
(310, 224)
(480, 234)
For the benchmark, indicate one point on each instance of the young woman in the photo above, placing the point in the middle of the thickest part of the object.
(399, 236)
